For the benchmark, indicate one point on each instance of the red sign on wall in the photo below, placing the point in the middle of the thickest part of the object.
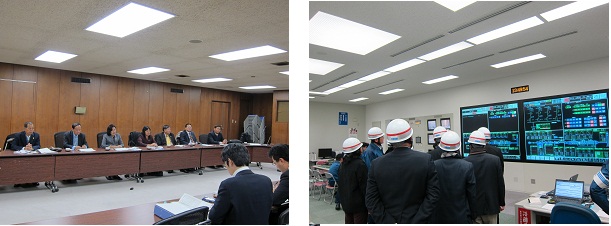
(523, 216)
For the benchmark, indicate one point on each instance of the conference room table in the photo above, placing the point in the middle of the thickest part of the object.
(68, 164)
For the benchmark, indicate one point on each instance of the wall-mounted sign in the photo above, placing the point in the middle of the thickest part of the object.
(343, 118)
(519, 89)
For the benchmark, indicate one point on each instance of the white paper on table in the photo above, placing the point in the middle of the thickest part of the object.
(207, 145)
(121, 149)
(534, 200)
(254, 144)
(179, 145)
(22, 151)
(548, 206)
(86, 150)
(45, 151)
(135, 149)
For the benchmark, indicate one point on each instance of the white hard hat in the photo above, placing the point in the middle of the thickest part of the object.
(375, 133)
(477, 137)
(398, 130)
(485, 131)
(450, 141)
(439, 131)
(351, 144)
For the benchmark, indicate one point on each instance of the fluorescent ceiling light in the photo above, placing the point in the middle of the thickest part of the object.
(506, 30)
(358, 99)
(374, 76)
(208, 80)
(248, 53)
(148, 70)
(338, 33)
(351, 84)
(404, 65)
(321, 67)
(311, 97)
(571, 9)
(257, 87)
(55, 57)
(333, 90)
(445, 78)
(318, 93)
(518, 61)
(454, 5)
(284, 72)
(445, 51)
(391, 91)
(129, 19)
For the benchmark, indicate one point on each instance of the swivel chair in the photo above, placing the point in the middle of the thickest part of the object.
(133, 137)
(192, 217)
(203, 138)
(59, 139)
(568, 213)
(283, 219)
(100, 136)
(9, 140)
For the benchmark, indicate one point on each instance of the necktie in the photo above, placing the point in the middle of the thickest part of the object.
(27, 138)
(190, 138)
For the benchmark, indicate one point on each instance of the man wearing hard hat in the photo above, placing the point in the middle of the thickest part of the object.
(353, 182)
(402, 186)
(437, 133)
(374, 150)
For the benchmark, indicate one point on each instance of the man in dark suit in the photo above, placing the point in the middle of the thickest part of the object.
(165, 138)
(74, 139)
(187, 136)
(215, 136)
(491, 149)
(26, 140)
(402, 186)
(245, 198)
(280, 157)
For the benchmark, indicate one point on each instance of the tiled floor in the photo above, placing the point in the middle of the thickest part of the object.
(325, 213)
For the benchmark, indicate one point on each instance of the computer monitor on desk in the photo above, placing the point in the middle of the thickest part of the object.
(325, 153)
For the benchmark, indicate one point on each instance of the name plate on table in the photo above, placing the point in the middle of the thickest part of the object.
(186, 202)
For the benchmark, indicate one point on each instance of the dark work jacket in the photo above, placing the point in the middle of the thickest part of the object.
(214, 139)
(68, 139)
(457, 186)
(352, 184)
(21, 141)
(490, 184)
(281, 194)
(491, 149)
(184, 137)
(436, 153)
(402, 187)
(160, 139)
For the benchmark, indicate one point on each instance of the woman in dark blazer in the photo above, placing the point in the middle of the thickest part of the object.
(145, 139)
(352, 183)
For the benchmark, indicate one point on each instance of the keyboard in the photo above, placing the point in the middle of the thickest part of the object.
(574, 201)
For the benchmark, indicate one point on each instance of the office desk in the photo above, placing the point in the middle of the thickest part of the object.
(259, 153)
(75, 164)
(19, 168)
(170, 158)
(534, 213)
(211, 156)
(322, 168)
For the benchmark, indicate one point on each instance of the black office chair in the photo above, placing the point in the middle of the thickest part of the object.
(100, 136)
(283, 219)
(203, 138)
(568, 213)
(59, 139)
(192, 217)
(7, 144)
(133, 137)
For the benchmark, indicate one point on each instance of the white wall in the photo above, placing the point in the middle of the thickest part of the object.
(325, 131)
(579, 77)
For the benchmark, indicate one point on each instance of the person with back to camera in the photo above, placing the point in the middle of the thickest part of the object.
(280, 157)
(334, 170)
(353, 183)
(491, 149)
(402, 186)
(112, 140)
(490, 186)
(246, 197)
(599, 188)
(437, 133)
(215, 136)
(374, 150)
(27, 140)
(456, 183)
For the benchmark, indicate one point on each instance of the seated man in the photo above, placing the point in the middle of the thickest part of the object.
(74, 140)
(215, 136)
(280, 157)
(187, 136)
(27, 140)
(165, 138)
(245, 198)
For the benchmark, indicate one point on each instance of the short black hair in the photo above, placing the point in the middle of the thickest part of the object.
(365, 144)
(279, 151)
(109, 129)
(339, 156)
(218, 126)
(187, 124)
(165, 127)
(25, 125)
(74, 125)
(237, 153)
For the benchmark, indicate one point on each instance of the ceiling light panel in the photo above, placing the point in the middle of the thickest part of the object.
(374, 76)
(55, 57)
(318, 93)
(129, 19)
(445, 78)
(338, 33)
(506, 30)
(391, 91)
(321, 67)
(454, 5)
(571, 9)
(258, 87)
(445, 51)
(351, 84)
(518, 61)
(148, 70)
(404, 65)
(333, 90)
(358, 99)
(248, 53)
(209, 80)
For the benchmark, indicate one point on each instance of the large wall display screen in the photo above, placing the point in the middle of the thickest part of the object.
(569, 128)
(503, 121)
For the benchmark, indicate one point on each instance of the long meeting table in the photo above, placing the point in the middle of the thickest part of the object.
(26, 168)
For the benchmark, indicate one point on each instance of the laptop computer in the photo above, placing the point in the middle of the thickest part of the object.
(572, 178)
(569, 191)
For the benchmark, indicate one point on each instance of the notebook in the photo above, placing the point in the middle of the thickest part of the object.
(569, 191)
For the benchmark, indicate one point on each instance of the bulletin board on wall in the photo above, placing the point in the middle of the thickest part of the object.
(420, 126)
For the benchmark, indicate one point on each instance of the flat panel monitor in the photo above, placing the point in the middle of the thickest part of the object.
(325, 153)
(569, 128)
(502, 119)
(431, 124)
(445, 122)
(431, 138)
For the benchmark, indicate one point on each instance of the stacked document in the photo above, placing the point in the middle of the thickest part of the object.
(45, 151)
(186, 202)
(128, 149)
(86, 150)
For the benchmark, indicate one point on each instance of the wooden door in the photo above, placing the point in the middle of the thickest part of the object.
(220, 116)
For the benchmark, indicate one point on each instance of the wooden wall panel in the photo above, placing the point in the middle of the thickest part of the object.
(90, 98)
(182, 109)
(194, 111)
(205, 101)
(125, 108)
(69, 97)
(24, 97)
(156, 107)
(169, 108)
(141, 105)
(47, 105)
(280, 130)
(263, 106)
(109, 94)
(6, 92)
